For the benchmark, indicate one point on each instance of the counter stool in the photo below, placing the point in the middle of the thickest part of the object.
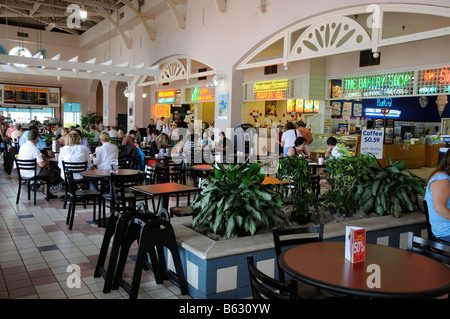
(117, 226)
(152, 234)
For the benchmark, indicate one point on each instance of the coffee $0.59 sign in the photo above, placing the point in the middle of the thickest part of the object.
(372, 142)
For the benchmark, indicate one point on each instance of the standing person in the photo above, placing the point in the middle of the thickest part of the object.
(288, 138)
(279, 134)
(300, 148)
(29, 150)
(305, 132)
(151, 127)
(73, 151)
(167, 128)
(160, 123)
(437, 196)
(105, 153)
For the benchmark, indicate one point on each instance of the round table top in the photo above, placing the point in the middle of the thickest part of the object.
(107, 172)
(203, 167)
(402, 273)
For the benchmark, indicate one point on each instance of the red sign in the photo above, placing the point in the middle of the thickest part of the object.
(270, 95)
(442, 76)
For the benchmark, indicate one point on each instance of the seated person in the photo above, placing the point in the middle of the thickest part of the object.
(29, 150)
(73, 151)
(129, 140)
(84, 141)
(330, 152)
(300, 148)
(162, 141)
(437, 196)
(224, 143)
(24, 137)
(105, 153)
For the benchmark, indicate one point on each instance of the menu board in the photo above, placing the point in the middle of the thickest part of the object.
(25, 95)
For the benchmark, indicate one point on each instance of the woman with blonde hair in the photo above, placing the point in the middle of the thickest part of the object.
(105, 153)
(73, 151)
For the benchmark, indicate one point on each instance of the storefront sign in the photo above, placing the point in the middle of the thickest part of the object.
(167, 96)
(271, 90)
(378, 112)
(202, 94)
(372, 142)
(162, 110)
(390, 84)
(435, 80)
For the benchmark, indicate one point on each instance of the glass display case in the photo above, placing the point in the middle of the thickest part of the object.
(351, 141)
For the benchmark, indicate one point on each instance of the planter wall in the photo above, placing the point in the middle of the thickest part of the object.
(218, 269)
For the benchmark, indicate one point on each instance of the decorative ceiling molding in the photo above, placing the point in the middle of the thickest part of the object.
(316, 42)
(150, 32)
(330, 37)
(128, 42)
(174, 69)
(181, 21)
(74, 69)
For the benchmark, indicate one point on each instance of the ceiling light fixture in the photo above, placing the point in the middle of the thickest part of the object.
(126, 92)
(83, 13)
(144, 94)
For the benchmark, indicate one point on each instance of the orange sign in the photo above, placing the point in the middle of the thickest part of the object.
(162, 110)
(355, 244)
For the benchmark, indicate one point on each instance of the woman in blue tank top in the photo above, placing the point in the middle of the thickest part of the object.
(438, 199)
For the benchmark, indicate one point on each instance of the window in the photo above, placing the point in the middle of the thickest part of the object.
(24, 116)
(72, 113)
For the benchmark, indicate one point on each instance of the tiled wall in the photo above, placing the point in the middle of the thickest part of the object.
(227, 278)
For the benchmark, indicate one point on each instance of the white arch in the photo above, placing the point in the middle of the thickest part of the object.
(369, 31)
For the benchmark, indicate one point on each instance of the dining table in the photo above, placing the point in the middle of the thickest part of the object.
(386, 272)
(165, 190)
(105, 174)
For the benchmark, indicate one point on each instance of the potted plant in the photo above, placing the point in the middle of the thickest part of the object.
(390, 190)
(234, 201)
(295, 170)
(345, 173)
(90, 118)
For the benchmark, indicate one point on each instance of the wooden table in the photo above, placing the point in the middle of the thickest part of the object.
(402, 274)
(165, 190)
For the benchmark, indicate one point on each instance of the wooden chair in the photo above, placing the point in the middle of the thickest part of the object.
(430, 248)
(265, 287)
(30, 182)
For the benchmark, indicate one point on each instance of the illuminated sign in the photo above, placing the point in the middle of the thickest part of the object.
(435, 80)
(290, 106)
(167, 96)
(271, 90)
(302, 106)
(378, 112)
(389, 84)
(162, 110)
(202, 94)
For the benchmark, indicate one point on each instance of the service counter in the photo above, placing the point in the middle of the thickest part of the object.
(432, 154)
(413, 155)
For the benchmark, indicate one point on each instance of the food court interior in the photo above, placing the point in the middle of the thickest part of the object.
(341, 69)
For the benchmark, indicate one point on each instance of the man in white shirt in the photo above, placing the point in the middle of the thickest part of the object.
(105, 153)
(28, 151)
(113, 132)
(160, 123)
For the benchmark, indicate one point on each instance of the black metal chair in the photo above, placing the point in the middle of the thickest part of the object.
(78, 167)
(83, 197)
(296, 236)
(117, 225)
(286, 237)
(153, 234)
(265, 287)
(439, 251)
(32, 182)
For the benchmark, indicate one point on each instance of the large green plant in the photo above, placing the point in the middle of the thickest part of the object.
(235, 201)
(390, 190)
(345, 173)
(90, 118)
(295, 170)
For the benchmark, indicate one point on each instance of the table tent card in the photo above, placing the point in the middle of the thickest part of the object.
(355, 244)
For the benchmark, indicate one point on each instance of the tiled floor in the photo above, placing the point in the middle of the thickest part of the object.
(36, 248)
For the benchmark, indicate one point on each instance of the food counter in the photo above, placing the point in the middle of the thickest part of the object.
(432, 154)
(413, 155)
(319, 144)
